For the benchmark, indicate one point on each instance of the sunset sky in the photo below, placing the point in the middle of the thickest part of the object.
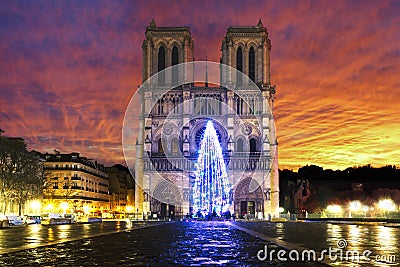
(69, 68)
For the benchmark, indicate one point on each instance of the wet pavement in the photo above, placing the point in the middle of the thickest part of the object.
(382, 241)
(170, 244)
(31, 236)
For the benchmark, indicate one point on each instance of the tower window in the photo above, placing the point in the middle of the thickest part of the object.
(161, 146)
(239, 145)
(252, 72)
(175, 146)
(161, 65)
(253, 145)
(239, 65)
(175, 60)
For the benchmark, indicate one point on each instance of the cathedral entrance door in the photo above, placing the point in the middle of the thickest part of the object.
(163, 211)
(171, 209)
(247, 208)
(167, 211)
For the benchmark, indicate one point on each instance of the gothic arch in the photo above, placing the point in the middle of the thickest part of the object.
(177, 44)
(247, 190)
(240, 146)
(199, 124)
(167, 192)
(257, 144)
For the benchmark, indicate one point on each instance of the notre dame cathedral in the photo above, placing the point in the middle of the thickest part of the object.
(239, 105)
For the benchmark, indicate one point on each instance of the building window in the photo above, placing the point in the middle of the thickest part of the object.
(239, 106)
(160, 106)
(252, 68)
(239, 65)
(253, 145)
(239, 145)
(160, 146)
(55, 185)
(175, 60)
(175, 146)
(161, 66)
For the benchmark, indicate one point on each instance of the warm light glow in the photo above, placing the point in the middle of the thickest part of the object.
(129, 209)
(281, 210)
(35, 204)
(86, 209)
(358, 129)
(64, 206)
(334, 208)
(386, 205)
(49, 207)
(365, 208)
(355, 206)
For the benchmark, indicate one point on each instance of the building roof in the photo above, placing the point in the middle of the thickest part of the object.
(72, 157)
(248, 29)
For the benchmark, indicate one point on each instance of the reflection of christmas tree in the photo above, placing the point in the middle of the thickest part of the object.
(211, 187)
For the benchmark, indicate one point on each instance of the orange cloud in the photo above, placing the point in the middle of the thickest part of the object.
(68, 70)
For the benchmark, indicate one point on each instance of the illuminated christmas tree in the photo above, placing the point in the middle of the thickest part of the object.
(211, 188)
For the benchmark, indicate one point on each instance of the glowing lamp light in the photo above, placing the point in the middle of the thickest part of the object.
(386, 205)
(365, 208)
(86, 209)
(129, 209)
(281, 210)
(64, 206)
(49, 207)
(355, 206)
(35, 204)
(334, 208)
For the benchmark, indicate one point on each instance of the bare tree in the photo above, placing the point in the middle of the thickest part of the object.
(21, 173)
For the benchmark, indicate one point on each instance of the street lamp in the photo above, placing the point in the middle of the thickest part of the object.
(386, 205)
(86, 209)
(35, 206)
(49, 207)
(354, 206)
(335, 209)
(128, 209)
(64, 207)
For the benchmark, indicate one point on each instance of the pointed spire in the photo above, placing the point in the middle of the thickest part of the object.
(260, 24)
(152, 23)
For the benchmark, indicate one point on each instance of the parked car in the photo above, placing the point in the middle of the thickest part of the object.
(50, 215)
(15, 220)
(33, 219)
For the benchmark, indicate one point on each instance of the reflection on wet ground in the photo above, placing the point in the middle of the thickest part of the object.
(36, 235)
(178, 243)
(382, 241)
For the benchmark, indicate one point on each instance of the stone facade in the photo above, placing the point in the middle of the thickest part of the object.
(169, 135)
(121, 188)
(77, 181)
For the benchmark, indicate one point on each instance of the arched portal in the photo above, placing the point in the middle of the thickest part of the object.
(248, 204)
(166, 201)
